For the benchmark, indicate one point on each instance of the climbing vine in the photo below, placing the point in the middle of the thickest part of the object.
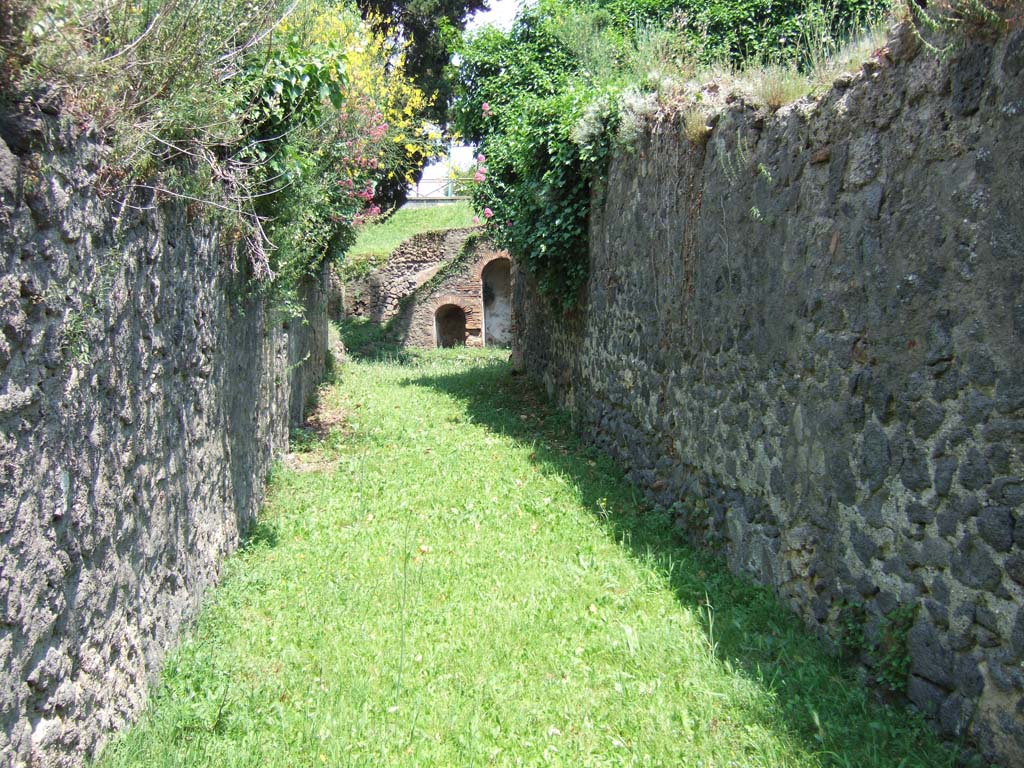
(549, 101)
(538, 201)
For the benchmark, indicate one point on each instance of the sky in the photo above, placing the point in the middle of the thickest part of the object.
(500, 14)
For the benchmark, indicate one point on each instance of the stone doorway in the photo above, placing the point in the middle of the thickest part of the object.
(450, 326)
(496, 280)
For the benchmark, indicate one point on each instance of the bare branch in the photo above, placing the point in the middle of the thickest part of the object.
(139, 39)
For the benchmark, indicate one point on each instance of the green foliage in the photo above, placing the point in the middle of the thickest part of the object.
(538, 189)
(366, 340)
(293, 142)
(550, 100)
(498, 69)
(539, 168)
(275, 117)
(294, 84)
(946, 25)
(890, 654)
(302, 439)
(879, 641)
(742, 31)
(432, 29)
(162, 76)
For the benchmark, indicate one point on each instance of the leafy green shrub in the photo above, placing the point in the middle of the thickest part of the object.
(431, 28)
(550, 99)
(280, 118)
(537, 192)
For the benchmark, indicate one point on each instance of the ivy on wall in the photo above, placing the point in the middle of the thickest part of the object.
(550, 100)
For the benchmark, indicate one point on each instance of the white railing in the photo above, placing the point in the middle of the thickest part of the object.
(440, 189)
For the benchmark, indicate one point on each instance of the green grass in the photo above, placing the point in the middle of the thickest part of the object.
(451, 579)
(376, 241)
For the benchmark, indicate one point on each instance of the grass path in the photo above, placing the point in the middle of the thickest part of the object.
(449, 579)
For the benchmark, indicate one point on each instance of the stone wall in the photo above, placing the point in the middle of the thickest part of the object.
(378, 296)
(458, 283)
(143, 395)
(807, 338)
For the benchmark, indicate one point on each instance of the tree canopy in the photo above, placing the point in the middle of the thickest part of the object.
(431, 30)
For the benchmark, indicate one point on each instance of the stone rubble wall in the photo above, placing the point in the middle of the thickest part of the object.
(807, 338)
(378, 296)
(460, 285)
(143, 395)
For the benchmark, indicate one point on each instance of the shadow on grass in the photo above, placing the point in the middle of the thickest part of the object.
(262, 534)
(821, 699)
(367, 341)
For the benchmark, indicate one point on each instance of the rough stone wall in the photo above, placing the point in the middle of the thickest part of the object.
(378, 296)
(808, 335)
(459, 283)
(307, 344)
(143, 395)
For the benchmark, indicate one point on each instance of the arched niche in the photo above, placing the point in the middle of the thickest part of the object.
(450, 326)
(496, 280)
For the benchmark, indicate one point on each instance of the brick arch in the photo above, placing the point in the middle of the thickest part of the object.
(416, 322)
(487, 258)
(450, 320)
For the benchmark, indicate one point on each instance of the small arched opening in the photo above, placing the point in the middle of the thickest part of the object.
(497, 293)
(450, 326)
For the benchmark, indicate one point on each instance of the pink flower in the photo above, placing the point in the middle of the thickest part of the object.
(487, 109)
(476, 219)
(479, 176)
(508, 223)
(488, 213)
(480, 158)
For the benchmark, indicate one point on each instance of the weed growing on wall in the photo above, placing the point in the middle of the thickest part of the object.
(945, 25)
(281, 120)
(572, 82)
(880, 642)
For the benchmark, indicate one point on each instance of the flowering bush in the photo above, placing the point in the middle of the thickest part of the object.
(332, 162)
(285, 117)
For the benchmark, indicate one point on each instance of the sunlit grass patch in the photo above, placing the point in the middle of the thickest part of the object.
(468, 585)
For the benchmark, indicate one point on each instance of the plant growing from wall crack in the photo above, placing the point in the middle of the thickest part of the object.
(879, 641)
